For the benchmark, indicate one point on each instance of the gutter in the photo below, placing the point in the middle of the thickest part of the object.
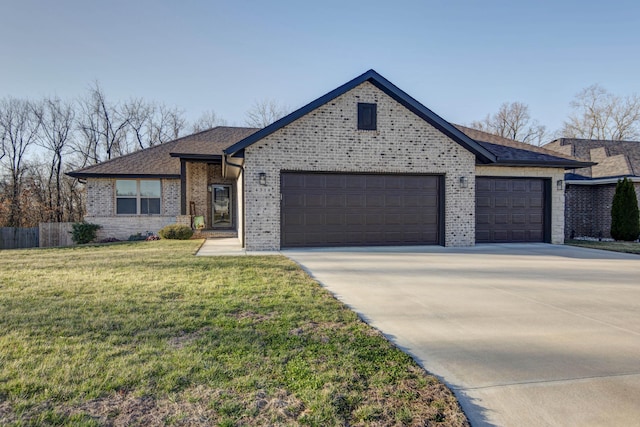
(600, 181)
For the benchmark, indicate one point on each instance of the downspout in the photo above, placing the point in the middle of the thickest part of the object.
(244, 205)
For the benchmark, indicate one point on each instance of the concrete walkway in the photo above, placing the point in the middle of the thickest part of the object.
(525, 335)
(228, 246)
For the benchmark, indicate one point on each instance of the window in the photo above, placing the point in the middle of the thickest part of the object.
(367, 119)
(137, 197)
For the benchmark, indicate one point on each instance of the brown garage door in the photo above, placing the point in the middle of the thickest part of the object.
(323, 209)
(511, 210)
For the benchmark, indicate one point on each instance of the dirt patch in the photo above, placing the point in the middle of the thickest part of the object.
(198, 406)
(184, 339)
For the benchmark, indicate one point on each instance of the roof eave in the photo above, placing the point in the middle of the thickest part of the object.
(566, 164)
(81, 175)
(192, 156)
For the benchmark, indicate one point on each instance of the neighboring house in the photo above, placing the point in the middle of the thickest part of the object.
(365, 164)
(589, 190)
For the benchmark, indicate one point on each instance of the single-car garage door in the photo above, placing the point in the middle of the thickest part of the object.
(511, 210)
(329, 209)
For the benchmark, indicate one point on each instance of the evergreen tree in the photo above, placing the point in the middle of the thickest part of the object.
(625, 219)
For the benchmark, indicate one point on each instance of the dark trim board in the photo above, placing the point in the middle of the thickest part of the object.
(183, 187)
(360, 209)
(122, 175)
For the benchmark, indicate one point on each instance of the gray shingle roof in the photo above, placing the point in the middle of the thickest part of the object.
(510, 152)
(163, 160)
(614, 158)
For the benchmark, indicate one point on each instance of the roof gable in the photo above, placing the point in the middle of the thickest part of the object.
(482, 154)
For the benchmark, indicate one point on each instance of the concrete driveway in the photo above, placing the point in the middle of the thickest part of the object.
(525, 335)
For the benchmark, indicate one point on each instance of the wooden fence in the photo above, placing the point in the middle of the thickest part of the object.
(55, 234)
(18, 238)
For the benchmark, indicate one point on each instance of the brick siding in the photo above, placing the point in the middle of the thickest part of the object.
(327, 140)
(101, 201)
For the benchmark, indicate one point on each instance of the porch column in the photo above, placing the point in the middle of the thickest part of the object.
(183, 187)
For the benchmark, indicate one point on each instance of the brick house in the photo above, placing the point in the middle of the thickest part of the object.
(365, 164)
(589, 190)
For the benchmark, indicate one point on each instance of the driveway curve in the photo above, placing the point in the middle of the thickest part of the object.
(524, 334)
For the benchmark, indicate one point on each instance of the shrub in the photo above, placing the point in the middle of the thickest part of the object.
(84, 232)
(625, 219)
(137, 237)
(176, 232)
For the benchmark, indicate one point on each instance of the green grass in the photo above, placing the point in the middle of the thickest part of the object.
(626, 247)
(147, 334)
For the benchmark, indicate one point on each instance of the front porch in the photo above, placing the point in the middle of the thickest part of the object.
(210, 202)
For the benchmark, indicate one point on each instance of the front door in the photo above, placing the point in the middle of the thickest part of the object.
(221, 196)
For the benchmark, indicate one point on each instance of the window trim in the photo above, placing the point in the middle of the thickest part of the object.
(367, 109)
(138, 197)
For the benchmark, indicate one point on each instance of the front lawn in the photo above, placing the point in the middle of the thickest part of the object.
(627, 247)
(147, 334)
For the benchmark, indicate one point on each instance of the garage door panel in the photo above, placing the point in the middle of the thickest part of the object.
(536, 186)
(314, 200)
(536, 219)
(294, 219)
(355, 200)
(501, 202)
(355, 219)
(483, 185)
(359, 209)
(336, 200)
(311, 219)
(356, 182)
(334, 181)
(393, 201)
(517, 218)
(375, 182)
(501, 185)
(519, 202)
(510, 210)
(314, 181)
(335, 219)
(375, 200)
(483, 202)
(536, 203)
(393, 183)
(374, 219)
(519, 185)
(501, 219)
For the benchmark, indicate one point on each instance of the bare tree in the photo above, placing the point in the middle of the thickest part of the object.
(19, 130)
(152, 124)
(513, 121)
(56, 127)
(103, 127)
(265, 112)
(598, 114)
(207, 120)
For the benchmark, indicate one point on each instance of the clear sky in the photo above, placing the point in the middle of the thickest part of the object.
(461, 58)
